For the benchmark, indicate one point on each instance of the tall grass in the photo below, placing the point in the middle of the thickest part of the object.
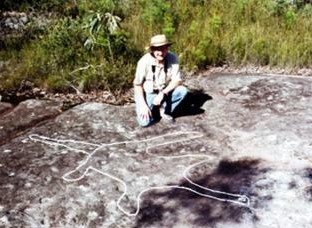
(235, 32)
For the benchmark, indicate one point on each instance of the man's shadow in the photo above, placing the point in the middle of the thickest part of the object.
(192, 103)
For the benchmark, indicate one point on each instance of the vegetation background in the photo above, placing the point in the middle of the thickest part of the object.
(89, 45)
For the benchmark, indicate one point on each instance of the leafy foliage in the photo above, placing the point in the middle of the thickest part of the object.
(95, 44)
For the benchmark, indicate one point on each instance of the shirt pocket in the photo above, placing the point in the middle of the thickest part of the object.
(149, 76)
(149, 83)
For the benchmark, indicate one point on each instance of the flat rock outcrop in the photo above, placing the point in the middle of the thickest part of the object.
(237, 155)
(25, 116)
(5, 107)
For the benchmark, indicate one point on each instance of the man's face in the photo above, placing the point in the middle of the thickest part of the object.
(160, 52)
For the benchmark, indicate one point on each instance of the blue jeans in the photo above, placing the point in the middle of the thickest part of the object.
(172, 100)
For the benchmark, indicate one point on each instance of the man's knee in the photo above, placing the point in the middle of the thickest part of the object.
(181, 91)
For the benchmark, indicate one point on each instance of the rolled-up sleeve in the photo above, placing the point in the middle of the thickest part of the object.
(140, 72)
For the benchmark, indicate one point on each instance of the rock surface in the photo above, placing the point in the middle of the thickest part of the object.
(5, 107)
(244, 136)
(26, 115)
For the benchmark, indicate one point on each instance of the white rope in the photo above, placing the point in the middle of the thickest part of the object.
(59, 142)
(241, 200)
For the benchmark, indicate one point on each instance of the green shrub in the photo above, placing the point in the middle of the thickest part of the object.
(59, 50)
(260, 52)
(290, 17)
(57, 83)
(96, 43)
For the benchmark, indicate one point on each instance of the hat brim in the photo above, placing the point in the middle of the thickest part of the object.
(158, 45)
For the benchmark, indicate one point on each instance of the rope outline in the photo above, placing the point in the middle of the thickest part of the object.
(242, 200)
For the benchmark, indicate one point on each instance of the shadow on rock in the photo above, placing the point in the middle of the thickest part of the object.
(192, 103)
(171, 206)
(154, 213)
(308, 189)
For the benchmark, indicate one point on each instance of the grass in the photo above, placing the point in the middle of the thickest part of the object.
(81, 50)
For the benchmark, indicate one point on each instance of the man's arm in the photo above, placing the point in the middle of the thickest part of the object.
(144, 111)
(142, 108)
(161, 95)
(171, 86)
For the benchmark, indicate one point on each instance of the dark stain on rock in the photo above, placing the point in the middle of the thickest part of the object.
(308, 189)
(308, 173)
(308, 192)
(151, 214)
(267, 93)
(230, 176)
(292, 185)
(232, 168)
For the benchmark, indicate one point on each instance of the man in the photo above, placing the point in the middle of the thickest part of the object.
(157, 83)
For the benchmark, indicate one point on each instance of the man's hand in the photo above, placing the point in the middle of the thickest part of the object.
(145, 113)
(158, 99)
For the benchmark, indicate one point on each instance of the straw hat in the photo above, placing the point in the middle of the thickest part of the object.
(158, 41)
